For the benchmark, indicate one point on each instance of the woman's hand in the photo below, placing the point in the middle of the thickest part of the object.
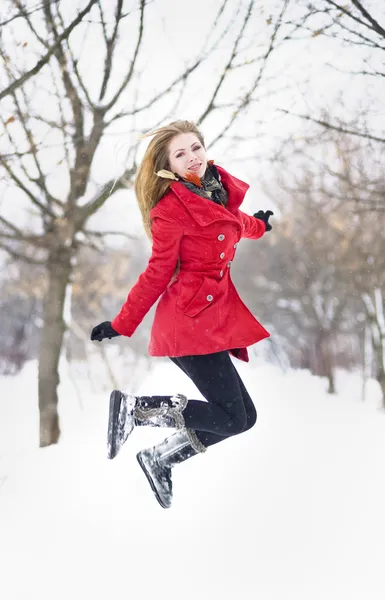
(104, 330)
(264, 216)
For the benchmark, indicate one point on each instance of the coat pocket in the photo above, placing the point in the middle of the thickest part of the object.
(202, 299)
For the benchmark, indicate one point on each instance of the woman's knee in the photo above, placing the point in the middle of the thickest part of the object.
(236, 424)
(251, 418)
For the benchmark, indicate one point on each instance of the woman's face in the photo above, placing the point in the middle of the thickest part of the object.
(187, 155)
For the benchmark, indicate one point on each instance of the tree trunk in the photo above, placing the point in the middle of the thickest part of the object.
(381, 380)
(379, 352)
(382, 385)
(323, 366)
(58, 272)
(331, 382)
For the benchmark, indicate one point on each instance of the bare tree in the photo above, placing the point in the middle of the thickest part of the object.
(323, 277)
(57, 119)
(300, 286)
(360, 182)
(358, 29)
(22, 12)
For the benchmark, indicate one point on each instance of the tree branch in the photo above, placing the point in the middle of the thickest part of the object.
(19, 15)
(84, 149)
(11, 226)
(84, 212)
(110, 46)
(338, 128)
(128, 77)
(227, 67)
(152, 101)
(375, 25)
(44, 209)
(74, 64)
(43, 61)
(26, 15)
(103, 234)
(40, 181)
(20, 256)
(72, 94)
(247, 98)
(345, 11)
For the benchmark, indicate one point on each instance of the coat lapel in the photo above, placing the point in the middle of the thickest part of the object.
(206, 212)
(235, 188)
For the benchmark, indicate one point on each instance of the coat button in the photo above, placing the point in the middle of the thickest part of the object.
(221, 273)
(221, 237)
(209, 298)
(229, 264)
(222, 255)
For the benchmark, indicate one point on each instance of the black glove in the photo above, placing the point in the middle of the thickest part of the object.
(104, 330)
(264, 216)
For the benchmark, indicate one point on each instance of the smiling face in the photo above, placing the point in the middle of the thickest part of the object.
(187, 155)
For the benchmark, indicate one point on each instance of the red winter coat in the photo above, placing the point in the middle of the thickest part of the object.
(199, 311)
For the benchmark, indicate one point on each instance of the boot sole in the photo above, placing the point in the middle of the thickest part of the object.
(115, 401)
(150, 481)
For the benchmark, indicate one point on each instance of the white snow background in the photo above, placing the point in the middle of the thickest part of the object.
(292, 510)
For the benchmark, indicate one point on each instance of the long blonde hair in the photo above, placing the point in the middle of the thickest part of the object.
(149, 187)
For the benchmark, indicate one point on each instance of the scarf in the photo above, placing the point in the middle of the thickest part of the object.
(209, 186)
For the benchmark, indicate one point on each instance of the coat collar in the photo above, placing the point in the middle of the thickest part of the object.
(206, 212)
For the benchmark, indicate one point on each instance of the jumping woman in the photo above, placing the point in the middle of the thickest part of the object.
(190, 209)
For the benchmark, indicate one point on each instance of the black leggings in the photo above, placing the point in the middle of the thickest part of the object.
(229, 410)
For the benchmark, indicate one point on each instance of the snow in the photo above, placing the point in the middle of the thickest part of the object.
(291, 510)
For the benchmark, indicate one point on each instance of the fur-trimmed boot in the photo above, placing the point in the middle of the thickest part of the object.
(127, 410)
(158, 461)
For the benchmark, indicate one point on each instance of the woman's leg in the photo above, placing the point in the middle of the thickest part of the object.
(249, 405)
(229, 409)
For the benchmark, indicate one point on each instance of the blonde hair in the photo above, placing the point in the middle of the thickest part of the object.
(149, 187)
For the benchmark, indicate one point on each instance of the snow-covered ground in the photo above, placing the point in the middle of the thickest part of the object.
(292, 510)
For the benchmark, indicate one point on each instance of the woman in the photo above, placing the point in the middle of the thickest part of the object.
(190, 209)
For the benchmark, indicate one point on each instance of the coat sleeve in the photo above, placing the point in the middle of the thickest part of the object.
(166, 237)
(251, 226)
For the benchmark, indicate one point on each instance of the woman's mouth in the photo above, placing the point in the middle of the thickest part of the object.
(195, 168)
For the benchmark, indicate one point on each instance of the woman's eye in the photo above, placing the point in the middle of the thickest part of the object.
(197, 148)
(179, 155)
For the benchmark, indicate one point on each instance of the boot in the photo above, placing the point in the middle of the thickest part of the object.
(160, 411)
(158, 461)
(126, 411)
(120, 421)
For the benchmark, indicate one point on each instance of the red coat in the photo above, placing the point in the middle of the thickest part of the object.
(199, 311)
